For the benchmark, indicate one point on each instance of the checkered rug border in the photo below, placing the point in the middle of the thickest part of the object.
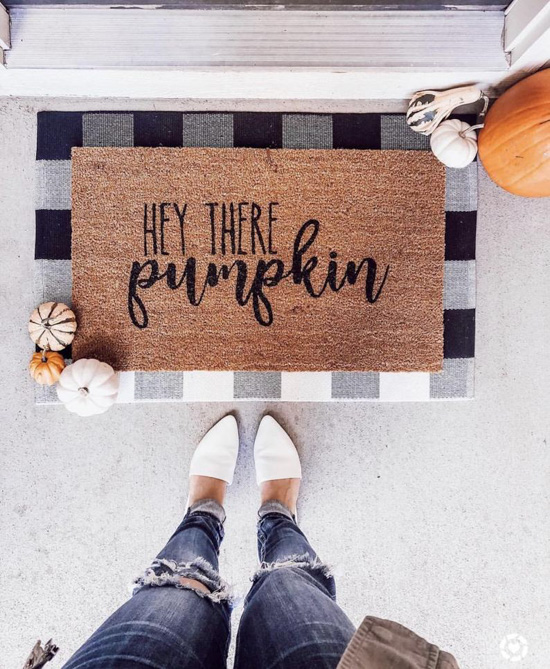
(59, 132)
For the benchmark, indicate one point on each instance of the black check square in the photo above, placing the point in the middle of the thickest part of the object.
(57, 133)
(460, 235)
(356, 131)
(258, 130)
(53, 234)
(459, 327)
(158, 129)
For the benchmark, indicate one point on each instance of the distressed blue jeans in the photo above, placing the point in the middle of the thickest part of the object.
(290, 619)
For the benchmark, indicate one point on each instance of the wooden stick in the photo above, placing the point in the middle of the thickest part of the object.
(39, 656)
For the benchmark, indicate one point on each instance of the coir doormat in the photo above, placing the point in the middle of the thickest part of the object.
(59, 132)
(258, 259)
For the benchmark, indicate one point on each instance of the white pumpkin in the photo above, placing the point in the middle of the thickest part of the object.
(454, 143)
(88, 387)
(52, 326)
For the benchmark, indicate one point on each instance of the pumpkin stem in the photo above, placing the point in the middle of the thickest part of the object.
(83, 391)
(481, 115)
(462, 133)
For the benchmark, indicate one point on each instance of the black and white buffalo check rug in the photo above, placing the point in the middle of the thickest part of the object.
(58, 132)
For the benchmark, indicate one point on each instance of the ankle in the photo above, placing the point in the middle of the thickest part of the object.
(206, 487)
(284, 491)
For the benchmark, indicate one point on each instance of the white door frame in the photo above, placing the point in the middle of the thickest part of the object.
(527, 33)
(4, 28)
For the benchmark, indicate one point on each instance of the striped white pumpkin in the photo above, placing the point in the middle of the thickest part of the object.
(88, 387)
(52, 326)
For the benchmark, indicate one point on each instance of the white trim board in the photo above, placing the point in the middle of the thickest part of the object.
(223, 84)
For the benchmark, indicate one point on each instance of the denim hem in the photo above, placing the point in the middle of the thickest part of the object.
(274, 506)
(163, 572)
(209, 506)
(304, 561)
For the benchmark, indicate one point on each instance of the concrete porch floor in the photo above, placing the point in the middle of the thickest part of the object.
(435, 515)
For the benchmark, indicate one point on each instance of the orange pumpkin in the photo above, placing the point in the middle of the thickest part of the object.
(46, 367)
(514, 145)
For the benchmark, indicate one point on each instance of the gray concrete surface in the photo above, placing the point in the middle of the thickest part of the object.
(435, 515)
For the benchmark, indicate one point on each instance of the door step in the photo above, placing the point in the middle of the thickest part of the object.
(393, 52)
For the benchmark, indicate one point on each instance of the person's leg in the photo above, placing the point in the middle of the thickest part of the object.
(291, 619)
(179, 614)
(184, 625)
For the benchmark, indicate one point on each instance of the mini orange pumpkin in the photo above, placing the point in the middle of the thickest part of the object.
(514, 145)
(46, 367)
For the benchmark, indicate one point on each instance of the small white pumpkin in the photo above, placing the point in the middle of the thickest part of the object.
(454, 143)
(52, 326)
(88, 387)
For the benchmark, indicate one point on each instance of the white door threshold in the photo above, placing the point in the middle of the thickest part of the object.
(147, 52)
(102, 37)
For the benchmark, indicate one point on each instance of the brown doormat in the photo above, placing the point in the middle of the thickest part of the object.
(257, 259)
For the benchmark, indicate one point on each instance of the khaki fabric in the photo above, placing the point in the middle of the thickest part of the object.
(383, 644)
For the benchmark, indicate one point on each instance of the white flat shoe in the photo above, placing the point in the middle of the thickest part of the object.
(216, 454)
(275, 455)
